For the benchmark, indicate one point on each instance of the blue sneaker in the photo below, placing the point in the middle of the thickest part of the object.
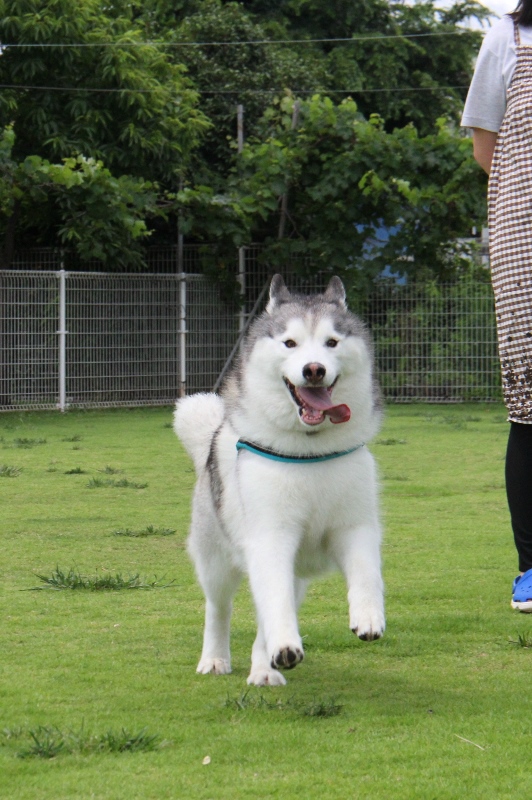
(522, 592)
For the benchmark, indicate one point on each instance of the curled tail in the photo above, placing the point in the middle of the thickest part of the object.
(196, 418)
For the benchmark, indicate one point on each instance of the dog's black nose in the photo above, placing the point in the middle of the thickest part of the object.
(314, 373)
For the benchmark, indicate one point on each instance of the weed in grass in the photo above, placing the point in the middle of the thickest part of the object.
(124, 742)
(99, 483)
(318, 708)
(75, 438)
(249, 700)
(76, 471)
(322, 708)
(109, 483)
(150, 530)
(242, 701)
(111, 471)
(49, 742)
(390, 442)
(27, 443)
(523, 640)
(9, 472)
(60, 579)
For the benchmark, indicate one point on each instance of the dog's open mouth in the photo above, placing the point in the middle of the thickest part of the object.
(315, 403)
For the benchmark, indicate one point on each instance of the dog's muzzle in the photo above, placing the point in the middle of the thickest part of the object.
(315, 404)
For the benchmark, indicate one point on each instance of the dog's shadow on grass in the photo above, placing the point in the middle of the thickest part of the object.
(357, 685)
(343, 692)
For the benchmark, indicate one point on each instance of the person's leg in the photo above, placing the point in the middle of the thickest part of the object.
(519, 490)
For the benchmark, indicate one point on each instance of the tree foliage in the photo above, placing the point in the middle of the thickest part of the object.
(79, 87)
(417, 79)
(239, 67)
(81, 82)
(100, 216)
(359, 197)
(132, 106)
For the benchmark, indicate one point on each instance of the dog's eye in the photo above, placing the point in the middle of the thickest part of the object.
(290, 343)
(331, 342)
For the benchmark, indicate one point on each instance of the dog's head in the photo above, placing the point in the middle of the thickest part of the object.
(308, 359)
(311, 369)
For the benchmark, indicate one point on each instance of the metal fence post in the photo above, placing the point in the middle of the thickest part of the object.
(62, 333)
(182, 335)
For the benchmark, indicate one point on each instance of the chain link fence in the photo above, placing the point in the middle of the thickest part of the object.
(92, 339)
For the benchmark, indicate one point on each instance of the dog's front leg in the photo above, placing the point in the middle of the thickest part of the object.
(262, 673)
(270, 561)
(357, 553)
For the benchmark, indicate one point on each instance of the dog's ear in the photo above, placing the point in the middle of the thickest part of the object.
(335, 292)
(278, 293)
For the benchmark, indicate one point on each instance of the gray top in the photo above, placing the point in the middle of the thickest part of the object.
(486, 99)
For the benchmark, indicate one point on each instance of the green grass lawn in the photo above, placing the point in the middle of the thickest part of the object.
(99, 697)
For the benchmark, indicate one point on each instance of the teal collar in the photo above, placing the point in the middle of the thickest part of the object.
(242, 444)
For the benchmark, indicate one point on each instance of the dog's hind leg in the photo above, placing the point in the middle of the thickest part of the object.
(219, 586)
(219, 580)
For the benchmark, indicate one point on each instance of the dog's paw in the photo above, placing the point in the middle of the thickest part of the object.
(367, 636)
(214, 666)
(369, 626)
(287, 657)
(266, 677)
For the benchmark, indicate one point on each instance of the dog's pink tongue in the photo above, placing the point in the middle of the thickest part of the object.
(319, 399)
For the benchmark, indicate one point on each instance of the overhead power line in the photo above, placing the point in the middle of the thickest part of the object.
(323, 91)
(335, 91)
(346, 40)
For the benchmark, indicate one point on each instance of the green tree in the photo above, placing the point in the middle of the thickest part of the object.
(416, 79)
(358, 197)
(77, 81)
(240, 67)
(84, 92)
(99, 215)
(389, 163)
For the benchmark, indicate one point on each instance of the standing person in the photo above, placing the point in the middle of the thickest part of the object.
(499, 110)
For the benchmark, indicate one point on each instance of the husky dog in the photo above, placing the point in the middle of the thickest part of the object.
(286, 487)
